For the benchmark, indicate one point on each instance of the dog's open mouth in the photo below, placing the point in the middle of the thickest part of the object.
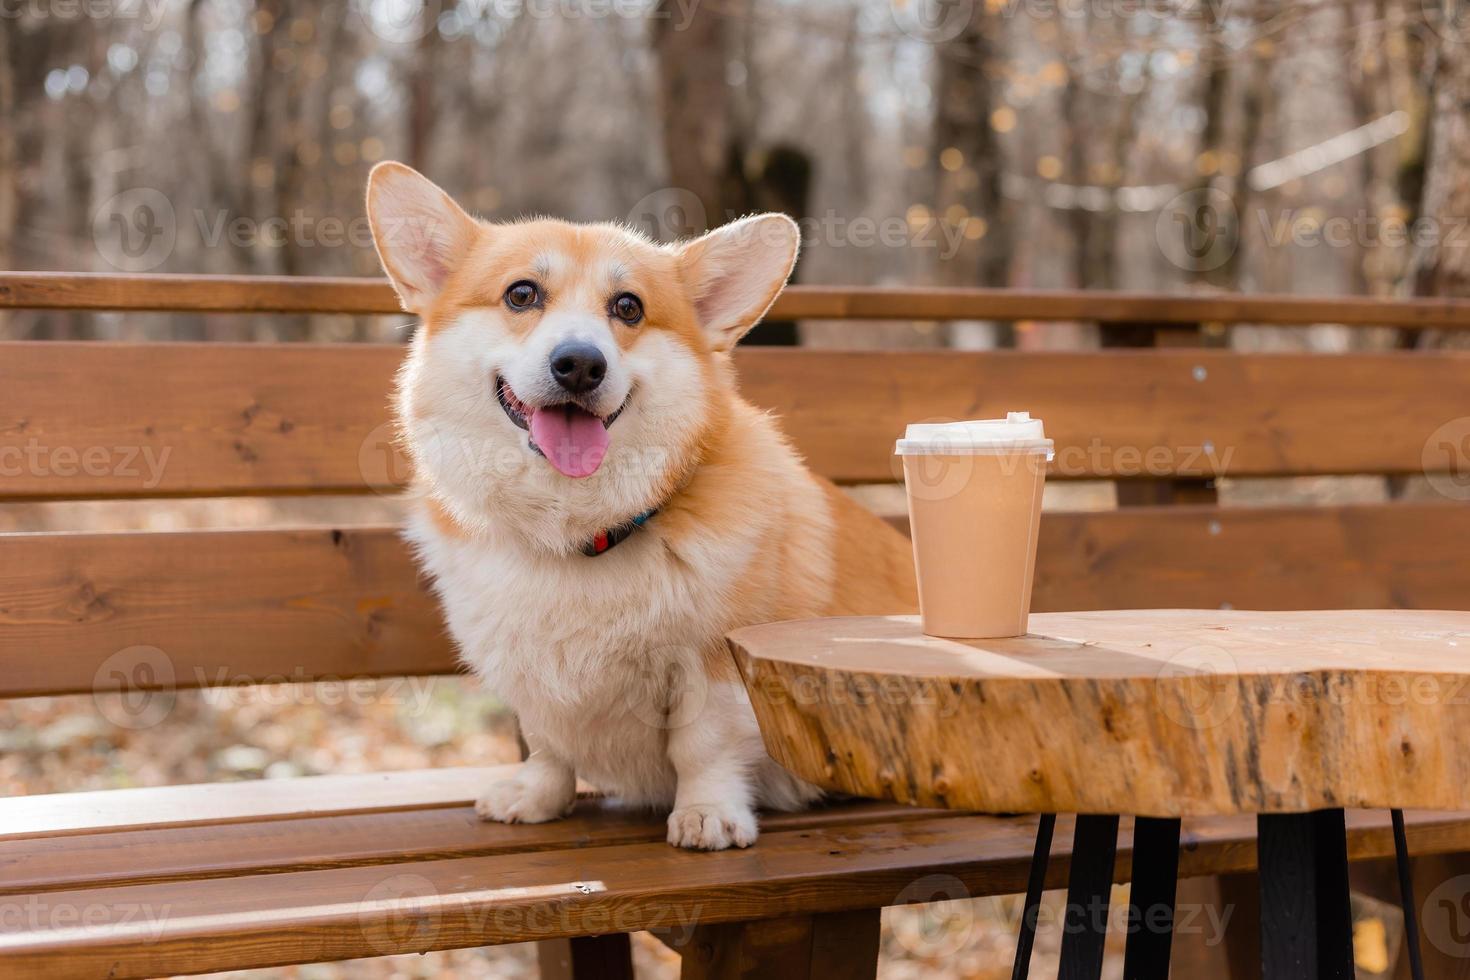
(572, 439)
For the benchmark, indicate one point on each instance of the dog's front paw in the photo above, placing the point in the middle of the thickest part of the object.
(712, 827)
(520, 801)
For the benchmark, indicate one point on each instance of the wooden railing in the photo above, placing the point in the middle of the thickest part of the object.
(283, 294)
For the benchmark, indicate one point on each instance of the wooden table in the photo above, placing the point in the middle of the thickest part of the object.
(1157, 714)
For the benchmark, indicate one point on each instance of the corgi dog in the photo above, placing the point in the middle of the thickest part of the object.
(597, 507)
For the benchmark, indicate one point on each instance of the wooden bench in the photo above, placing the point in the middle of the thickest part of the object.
(146, 882)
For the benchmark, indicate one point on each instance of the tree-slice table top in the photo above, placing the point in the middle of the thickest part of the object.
(1148, 712)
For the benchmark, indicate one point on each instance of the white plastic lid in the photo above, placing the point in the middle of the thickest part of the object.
(1018, 432)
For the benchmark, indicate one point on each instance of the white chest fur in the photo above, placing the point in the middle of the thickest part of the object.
(598, 656)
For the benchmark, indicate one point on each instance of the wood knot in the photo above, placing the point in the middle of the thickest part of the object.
(90, 605)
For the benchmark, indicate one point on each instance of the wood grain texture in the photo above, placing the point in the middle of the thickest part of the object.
(1158, 713)
(1372, 556)
(300, 294)
(163, 610)
(304, 916)
(85, 420)
(835, 946)
(347, 830)
(159, 610)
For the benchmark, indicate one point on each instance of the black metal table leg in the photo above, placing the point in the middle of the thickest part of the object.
(1306, 914)
(1406, 896)
(1035, 884)
(1151, 901)
(1089, 887)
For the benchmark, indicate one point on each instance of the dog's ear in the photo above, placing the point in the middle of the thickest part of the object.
(734, 274)
(420, 233)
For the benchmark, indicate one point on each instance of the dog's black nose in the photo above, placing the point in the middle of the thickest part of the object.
(578, 366)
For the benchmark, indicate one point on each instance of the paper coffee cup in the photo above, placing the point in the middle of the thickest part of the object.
(974, 493)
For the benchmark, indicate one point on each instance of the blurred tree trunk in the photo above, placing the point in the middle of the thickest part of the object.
(708, 133)
(422, 113)
(704, 150)
(9, 161)
(1442, 266)
(964, 99)
(1227, 152)
(1095, 229)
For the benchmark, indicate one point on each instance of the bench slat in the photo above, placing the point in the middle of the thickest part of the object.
(304, 294)
(95, 420)
(255, 846)
(306, 916)
(49, 815)
(230, 607)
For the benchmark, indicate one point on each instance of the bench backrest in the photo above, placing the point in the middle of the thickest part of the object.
(82, 611)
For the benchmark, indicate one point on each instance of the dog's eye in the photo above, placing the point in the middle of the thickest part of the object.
(522, 294)
(627, 308)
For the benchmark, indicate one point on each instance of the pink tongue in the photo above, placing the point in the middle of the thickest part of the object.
(573, 441)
